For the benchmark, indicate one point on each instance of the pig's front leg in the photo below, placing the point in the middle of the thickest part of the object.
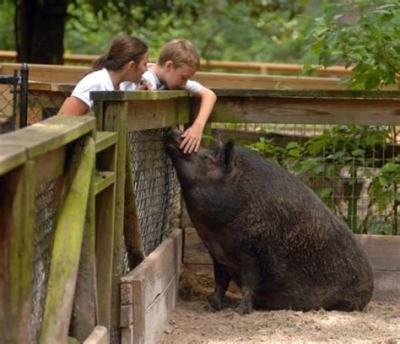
(250, 279)
(222, 279)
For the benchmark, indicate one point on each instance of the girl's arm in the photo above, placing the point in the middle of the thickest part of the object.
(73, 106)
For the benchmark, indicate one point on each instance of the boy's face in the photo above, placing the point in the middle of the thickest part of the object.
(176, 77)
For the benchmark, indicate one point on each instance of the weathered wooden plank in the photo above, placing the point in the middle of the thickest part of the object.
(49, 73)
(383, 251)
(102, 180)
(386, 286)
(67, 247)
(49, 134)
(16, 246)
(105, 139)
(136, 95)
(115, 119)
(105, 219)
(99, 335)
(84, 313)
(50, 165)
(252, 81)
(306, 110)
(159, 311)
(150, 114)
(158, 268)
(152, 291)
(106, 159)
(310, 94)
(10, 157)
(138, 312)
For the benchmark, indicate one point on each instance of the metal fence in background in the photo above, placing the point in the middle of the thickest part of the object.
(14, 99)
(354, 169)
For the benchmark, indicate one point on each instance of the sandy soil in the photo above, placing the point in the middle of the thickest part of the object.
(192, 322)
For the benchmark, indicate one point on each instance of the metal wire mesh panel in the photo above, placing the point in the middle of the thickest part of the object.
(354, 169)
(46, 201)
(8, 101)
(156, 185)
(44, 104)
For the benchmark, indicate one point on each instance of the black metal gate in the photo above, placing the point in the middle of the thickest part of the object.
(14, 100)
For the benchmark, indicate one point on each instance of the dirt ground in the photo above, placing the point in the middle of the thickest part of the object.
(192, 322)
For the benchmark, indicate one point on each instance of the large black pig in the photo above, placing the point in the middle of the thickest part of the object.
(268, 232)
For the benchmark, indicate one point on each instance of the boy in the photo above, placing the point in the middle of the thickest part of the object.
(177, 63)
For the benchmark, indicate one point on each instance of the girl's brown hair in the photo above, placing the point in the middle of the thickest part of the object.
(180, 52)
(123, 49)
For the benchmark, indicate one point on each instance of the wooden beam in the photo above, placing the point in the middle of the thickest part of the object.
(115, 119)
(49, 134)
(383, 252)
(148, 293)
(304, 107)
(67, 248)
(11, 156)
(99, 335)
(16, 247)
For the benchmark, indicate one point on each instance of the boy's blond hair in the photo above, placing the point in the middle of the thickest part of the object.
(180, 52)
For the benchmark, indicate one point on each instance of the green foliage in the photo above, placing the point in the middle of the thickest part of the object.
(362, 34)
(7, 38)
(321, 160)
(224, 29)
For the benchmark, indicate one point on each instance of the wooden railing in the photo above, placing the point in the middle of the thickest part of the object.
(89, 170)
(90, 223)
(214, 65)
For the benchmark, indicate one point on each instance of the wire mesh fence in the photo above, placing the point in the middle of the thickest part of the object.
(21, 106)
(47, 198)
(354, 169)
(13, 99)
(155, 184)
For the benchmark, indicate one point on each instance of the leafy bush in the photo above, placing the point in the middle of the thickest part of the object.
(361, 34)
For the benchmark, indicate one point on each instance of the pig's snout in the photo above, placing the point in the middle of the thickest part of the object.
(173, 138)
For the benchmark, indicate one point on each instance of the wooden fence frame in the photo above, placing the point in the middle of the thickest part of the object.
(116, 114)
(60, 76)
(211, 65)
(29, 157)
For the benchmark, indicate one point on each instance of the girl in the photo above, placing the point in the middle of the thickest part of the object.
(126, 61)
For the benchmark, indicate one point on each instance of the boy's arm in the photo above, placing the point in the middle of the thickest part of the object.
(192, 136)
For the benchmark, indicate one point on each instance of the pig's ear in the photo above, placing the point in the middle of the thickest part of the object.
(227, 155)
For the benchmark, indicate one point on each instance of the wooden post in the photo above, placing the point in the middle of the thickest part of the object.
(16, 247)
(114, 119)
(120, 112)
(67, 247)
(106, 150)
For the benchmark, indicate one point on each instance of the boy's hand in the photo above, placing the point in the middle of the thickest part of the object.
(144, 85)
(191, 139)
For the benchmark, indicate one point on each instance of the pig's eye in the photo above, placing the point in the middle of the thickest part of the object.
(207, 158)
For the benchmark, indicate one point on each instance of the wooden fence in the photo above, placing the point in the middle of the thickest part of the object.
(85, 161)
(214, 65)
(60, 75)
(88, 225)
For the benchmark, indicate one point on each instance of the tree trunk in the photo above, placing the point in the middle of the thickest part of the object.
(39, 30)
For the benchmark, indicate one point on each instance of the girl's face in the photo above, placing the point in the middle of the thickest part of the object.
(135, 70)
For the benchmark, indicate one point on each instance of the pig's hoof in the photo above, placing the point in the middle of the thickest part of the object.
(244, 308)
(215, 303)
